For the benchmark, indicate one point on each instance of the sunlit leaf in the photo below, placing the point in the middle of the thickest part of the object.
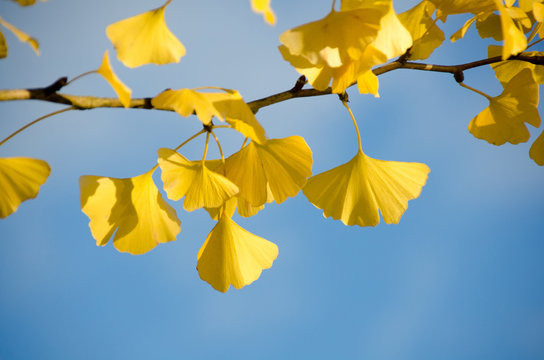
(426, 35)
(451, 7)
(145, 39)
(505, 117)
(368, 83)
(506, 70)
(227, 105)
(131, 208)
(514, 39)
(233, 256)
(263, 7)
(20, 180)
(201, 186)
(459, 34)
(22, 36)
(327, 49)
(280, 166)
(122, 91)
(537, 150)
(354, 192)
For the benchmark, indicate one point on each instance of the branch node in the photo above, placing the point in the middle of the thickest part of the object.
(404, 57)
(56, 86)
(344, 97)
(301, 81)
(459, 76)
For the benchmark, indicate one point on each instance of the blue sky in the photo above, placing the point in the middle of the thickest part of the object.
(460, 277)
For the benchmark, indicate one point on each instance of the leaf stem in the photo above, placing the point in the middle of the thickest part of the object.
(206, 147)
(355, 124)
(536, 42)
(80, 76)
(219, 146)
(476, 91)
(36, 121)
(189, 139)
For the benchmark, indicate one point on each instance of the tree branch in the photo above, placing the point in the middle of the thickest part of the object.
(51, 94)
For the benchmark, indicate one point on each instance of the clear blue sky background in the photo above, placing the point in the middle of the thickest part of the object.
(460, 277)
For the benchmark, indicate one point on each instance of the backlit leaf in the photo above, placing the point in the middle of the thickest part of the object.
(426, 35)
(280, 166)
(201, 186)
(506, 70)
(227, 105)
(505, 117)
(145, 39)
(131, 208)
(20, 180)
(355, 191)
(122, 91)
(233, 256)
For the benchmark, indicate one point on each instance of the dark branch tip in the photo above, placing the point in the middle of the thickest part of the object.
(459, 76)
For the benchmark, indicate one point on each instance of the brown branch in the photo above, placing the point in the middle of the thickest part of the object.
(51, 94)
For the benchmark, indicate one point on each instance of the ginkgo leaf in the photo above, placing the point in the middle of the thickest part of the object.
(537, 150)
(506, 70)
(490, 27)
(280, 166)
(263, 7)
(243, 206)
(514, 39)
(227, 105)
(425, 34)
(22, 36)
(538, 11)
(145, 39)
(459, 34)
(201, 186)
(320, 48)
(368, 83)
(505, 117)
(355, 191)
(122, 91)
(132, 208)
(20, 180)
(3, 46)
(233, 256)
(451, 7)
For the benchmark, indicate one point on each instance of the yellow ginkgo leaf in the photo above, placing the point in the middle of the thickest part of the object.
(227, 105)
(505, 117)
(3, 46)
(425, 34)
(122, 91)
(514, 39)
(201, 186)
(506, 70)
(22, 36)
(355, 191)
(490, 27)
(538, 11)
(368, 83)
(233, 256)
(20, 180)
(132, 208)
(333, 42)
(537, 150)
(245, 209)
(451, 7)
(278, 166)
(27, 2)
(145, 39)
(459, 34)
(263, 7)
